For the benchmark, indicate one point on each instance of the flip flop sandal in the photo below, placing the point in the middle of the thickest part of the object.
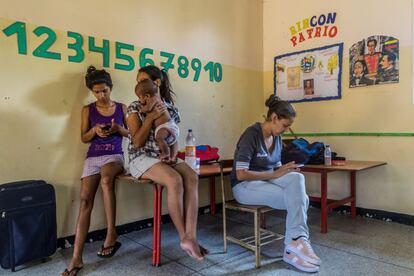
(112, 250)
(74, 271)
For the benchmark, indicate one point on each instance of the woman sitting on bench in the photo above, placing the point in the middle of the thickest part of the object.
(144, 161)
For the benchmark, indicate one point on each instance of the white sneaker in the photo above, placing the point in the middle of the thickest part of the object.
(293, 259)
(303, 249)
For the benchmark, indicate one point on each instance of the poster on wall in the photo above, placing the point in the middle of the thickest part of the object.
(310, 75)
(374, 60)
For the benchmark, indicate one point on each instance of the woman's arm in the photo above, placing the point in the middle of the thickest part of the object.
(118, 128)
(87, 133)
(243, 174)
(140, 130)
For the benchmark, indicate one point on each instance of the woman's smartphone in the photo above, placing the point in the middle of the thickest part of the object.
(106, 127)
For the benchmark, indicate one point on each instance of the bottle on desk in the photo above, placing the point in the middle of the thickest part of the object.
(328, 155)
(190, 149)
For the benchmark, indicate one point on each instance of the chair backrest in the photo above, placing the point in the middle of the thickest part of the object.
(226, 163)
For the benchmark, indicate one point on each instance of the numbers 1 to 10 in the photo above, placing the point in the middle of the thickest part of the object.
(124, 53)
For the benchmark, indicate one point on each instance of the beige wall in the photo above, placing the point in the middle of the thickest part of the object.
(380, 108)
(41, 99)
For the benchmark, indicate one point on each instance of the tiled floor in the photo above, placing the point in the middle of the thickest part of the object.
(361, 247)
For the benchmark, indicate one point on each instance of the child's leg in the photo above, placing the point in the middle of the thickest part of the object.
(160, 137)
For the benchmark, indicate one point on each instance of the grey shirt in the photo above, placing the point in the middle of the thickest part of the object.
(251, 153)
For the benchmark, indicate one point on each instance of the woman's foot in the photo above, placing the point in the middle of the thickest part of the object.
(293, 259)
(191, 248)
(75, 265)
(108, 245)
(304, 250)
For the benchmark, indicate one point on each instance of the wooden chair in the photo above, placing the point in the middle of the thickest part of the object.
(261, 235)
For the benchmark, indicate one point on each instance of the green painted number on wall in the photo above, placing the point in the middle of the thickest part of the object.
(196, 65)
(209, 67)
(215, 71)
(143, 60)
(218, 72)
(18, 28)
(77, 47)
(183, 67)
(119, 46)
(169, 63)
(43, 49)
(104, 49)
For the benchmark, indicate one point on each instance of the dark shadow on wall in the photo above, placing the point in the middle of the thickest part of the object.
(61, 101)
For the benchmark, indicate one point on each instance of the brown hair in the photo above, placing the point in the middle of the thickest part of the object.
(283, 109)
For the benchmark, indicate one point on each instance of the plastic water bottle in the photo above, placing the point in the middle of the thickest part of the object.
(328, 155)
(190, 149)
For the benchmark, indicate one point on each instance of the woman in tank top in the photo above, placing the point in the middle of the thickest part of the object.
(103, 126)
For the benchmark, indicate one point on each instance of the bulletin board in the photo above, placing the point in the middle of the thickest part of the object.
(310, 75)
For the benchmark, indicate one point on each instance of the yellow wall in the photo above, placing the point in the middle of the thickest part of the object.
(379, 108)
(41, 99)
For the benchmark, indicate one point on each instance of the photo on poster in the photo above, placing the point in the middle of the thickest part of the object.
(374, 60)
(308, 87)
(311, 75)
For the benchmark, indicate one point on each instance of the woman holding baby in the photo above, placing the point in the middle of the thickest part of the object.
(154, 111)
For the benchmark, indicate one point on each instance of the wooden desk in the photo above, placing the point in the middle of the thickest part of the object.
(326, 204)
(211, 171)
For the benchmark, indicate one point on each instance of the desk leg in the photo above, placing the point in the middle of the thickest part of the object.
(213, 195)
(324, 201)
(156, 236)
(353, 195)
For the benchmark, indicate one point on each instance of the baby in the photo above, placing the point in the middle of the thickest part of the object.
(166, 130)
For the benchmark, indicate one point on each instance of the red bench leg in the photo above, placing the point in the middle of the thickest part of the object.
(324, 202)
(213, 195)
(353, 195)
(156, 236)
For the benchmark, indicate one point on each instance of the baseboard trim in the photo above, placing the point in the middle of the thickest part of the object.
(147, 223)
(375, 214)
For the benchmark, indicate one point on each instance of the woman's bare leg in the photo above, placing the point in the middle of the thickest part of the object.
(87, 195)
(108, 173)
(168, 177)
(190, 178)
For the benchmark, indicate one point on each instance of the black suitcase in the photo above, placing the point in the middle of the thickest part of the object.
(27, 222)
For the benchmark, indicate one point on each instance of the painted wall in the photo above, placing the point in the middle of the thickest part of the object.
(379, 108)
(41, 99)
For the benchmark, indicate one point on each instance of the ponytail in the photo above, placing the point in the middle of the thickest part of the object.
(154, 73)
(165, 88)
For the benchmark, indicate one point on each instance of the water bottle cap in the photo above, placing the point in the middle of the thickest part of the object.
(190, 130)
